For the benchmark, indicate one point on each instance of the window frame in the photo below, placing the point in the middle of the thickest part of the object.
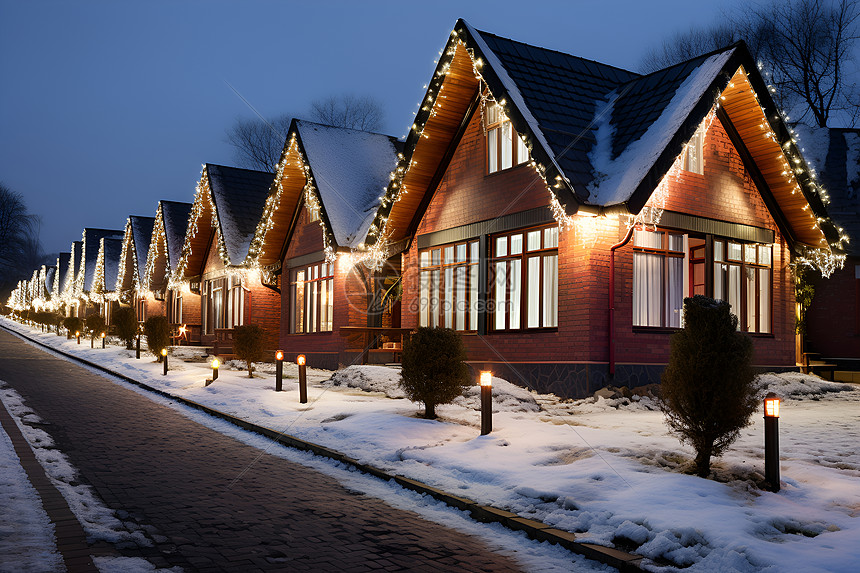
(523, 256)
(496, 127)
(434, 305)
(316, 286)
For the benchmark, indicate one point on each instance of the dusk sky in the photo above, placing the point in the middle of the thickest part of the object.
(108, 107)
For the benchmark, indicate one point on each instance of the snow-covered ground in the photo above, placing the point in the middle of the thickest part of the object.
(607, 470)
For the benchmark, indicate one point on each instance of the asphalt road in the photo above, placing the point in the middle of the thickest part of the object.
(170, 476)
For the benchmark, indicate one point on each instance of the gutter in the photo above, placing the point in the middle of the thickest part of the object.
(612, 250)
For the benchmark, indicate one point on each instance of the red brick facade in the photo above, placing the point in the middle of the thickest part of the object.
(833, 319)
(725, 193)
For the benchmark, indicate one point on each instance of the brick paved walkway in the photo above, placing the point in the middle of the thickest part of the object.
(171, 474)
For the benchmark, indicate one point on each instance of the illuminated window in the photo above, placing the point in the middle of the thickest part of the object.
(312, 298)
(693, 160)
(505, 148)
(448, 289)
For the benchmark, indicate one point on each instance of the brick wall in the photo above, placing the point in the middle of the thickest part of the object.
(833, 319)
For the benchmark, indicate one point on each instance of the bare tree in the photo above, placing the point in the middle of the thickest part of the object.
(684, 46)
(20, 250)
(257, 143)
(806, 46)
(350, 111)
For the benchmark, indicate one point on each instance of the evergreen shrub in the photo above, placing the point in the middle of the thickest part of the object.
(434, 369)
(125, 321)
(248, 345)
(157, 331)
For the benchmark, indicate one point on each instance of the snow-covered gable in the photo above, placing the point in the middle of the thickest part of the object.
(112, 251)
(239, 196)
(141, 233)
(351, 170)
(49, 278)
(616, 177)
(62, 272)
(74, 265)
(91, 241)
(175, 218)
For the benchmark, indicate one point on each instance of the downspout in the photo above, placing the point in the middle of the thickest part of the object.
(612, 250)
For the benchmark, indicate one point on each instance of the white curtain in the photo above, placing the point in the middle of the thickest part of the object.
(460, 278)
(533, 310)
(764, 300)
(550, 291)
(473, 297)
(448, 303)
(647, 289)
(516, 291)
(424, 299)
(735, 290)
(501, 294)
(752, 310)
(675, 292)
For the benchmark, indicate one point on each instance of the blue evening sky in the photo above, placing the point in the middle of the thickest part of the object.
(107, 107)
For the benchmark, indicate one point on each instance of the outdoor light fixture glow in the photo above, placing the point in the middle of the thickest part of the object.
(103, 334)
(215, 365)
(279, 370)
(164, 352)
(303, 379)
(486, 378)
(300, 360)
(771, 406)
(279, 355)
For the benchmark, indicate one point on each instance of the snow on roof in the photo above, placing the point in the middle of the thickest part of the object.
(91, 242)
(49, 278)
(112, 253)
(175, 217)
(351, 170)
(814, 143)
(240, 197)
(141, 234)
(74, 265)
(616, 178)
(62, 272)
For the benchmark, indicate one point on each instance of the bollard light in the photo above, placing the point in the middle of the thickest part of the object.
(137, 348)
(215, 364)
(485, 379)
(303, 379)
(103, 339)
(78, 335)
(279, 370)
(164, 358)
(771, 441)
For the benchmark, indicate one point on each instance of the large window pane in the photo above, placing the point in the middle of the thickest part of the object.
(507, 146)
(448, 303)
(501, 294)
(492, 150)
(460, 303)
(516, 292)
(735, 290)
(647, 289)
(533, 309)
(764, 300)
(675, 292)
(424, 298)
(473, 297)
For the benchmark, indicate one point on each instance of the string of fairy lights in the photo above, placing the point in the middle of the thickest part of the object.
(799, 176)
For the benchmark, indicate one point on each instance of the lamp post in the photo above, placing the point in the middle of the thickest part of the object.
(78, 336)
(486, 381)
(103, 340)
(279, 370)
(164, 359)
(771, 441)
(215, 364)
(303, 379)
(137, 348)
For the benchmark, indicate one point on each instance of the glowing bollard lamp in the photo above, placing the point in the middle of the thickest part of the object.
(78, 336)
(215, 365)
(279, 370)
(303, 378)
(486, 382)
(137, 349)
(164, 359)
(103, 340)
(771, 441)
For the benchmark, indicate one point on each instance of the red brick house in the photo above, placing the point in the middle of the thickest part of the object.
(310, 241)
(180, 304)
(128, 283)
(558, 210)
(105, 281)
(215, 261)
(833, 318)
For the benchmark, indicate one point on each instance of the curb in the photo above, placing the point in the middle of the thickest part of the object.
(536, 530)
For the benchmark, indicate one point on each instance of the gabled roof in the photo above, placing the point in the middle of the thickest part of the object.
(600, 136)
(350, 170)
(346, 172)
(62, 272)
(91, 241)
(74, 265)
(175, 220)
(132, 260)
(50, 272)
(107, 264)
(231, 199)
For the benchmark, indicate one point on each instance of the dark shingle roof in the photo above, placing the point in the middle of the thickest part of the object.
(62, 271)
(141, 234)
(74, 268)
(175, 215)
(240, 196)
(113, 252)
(91, 242)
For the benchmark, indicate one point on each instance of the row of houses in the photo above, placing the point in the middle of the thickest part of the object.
(553, 210)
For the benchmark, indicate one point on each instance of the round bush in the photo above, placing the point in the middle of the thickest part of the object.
(248, 345)
(157, 331)
(434, 369)
(125, 321)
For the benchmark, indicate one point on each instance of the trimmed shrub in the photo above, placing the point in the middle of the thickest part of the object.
(157, 331)
(434, 368)
(248, 345)
(96, 325)
(708, 391)
(73, 324)
(125, 321)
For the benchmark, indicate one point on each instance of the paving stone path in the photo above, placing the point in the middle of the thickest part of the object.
(170, 475)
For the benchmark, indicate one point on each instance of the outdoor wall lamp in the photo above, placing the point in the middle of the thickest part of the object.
(303, 379)
(485, 379)
(279, 370)
(771, 441)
